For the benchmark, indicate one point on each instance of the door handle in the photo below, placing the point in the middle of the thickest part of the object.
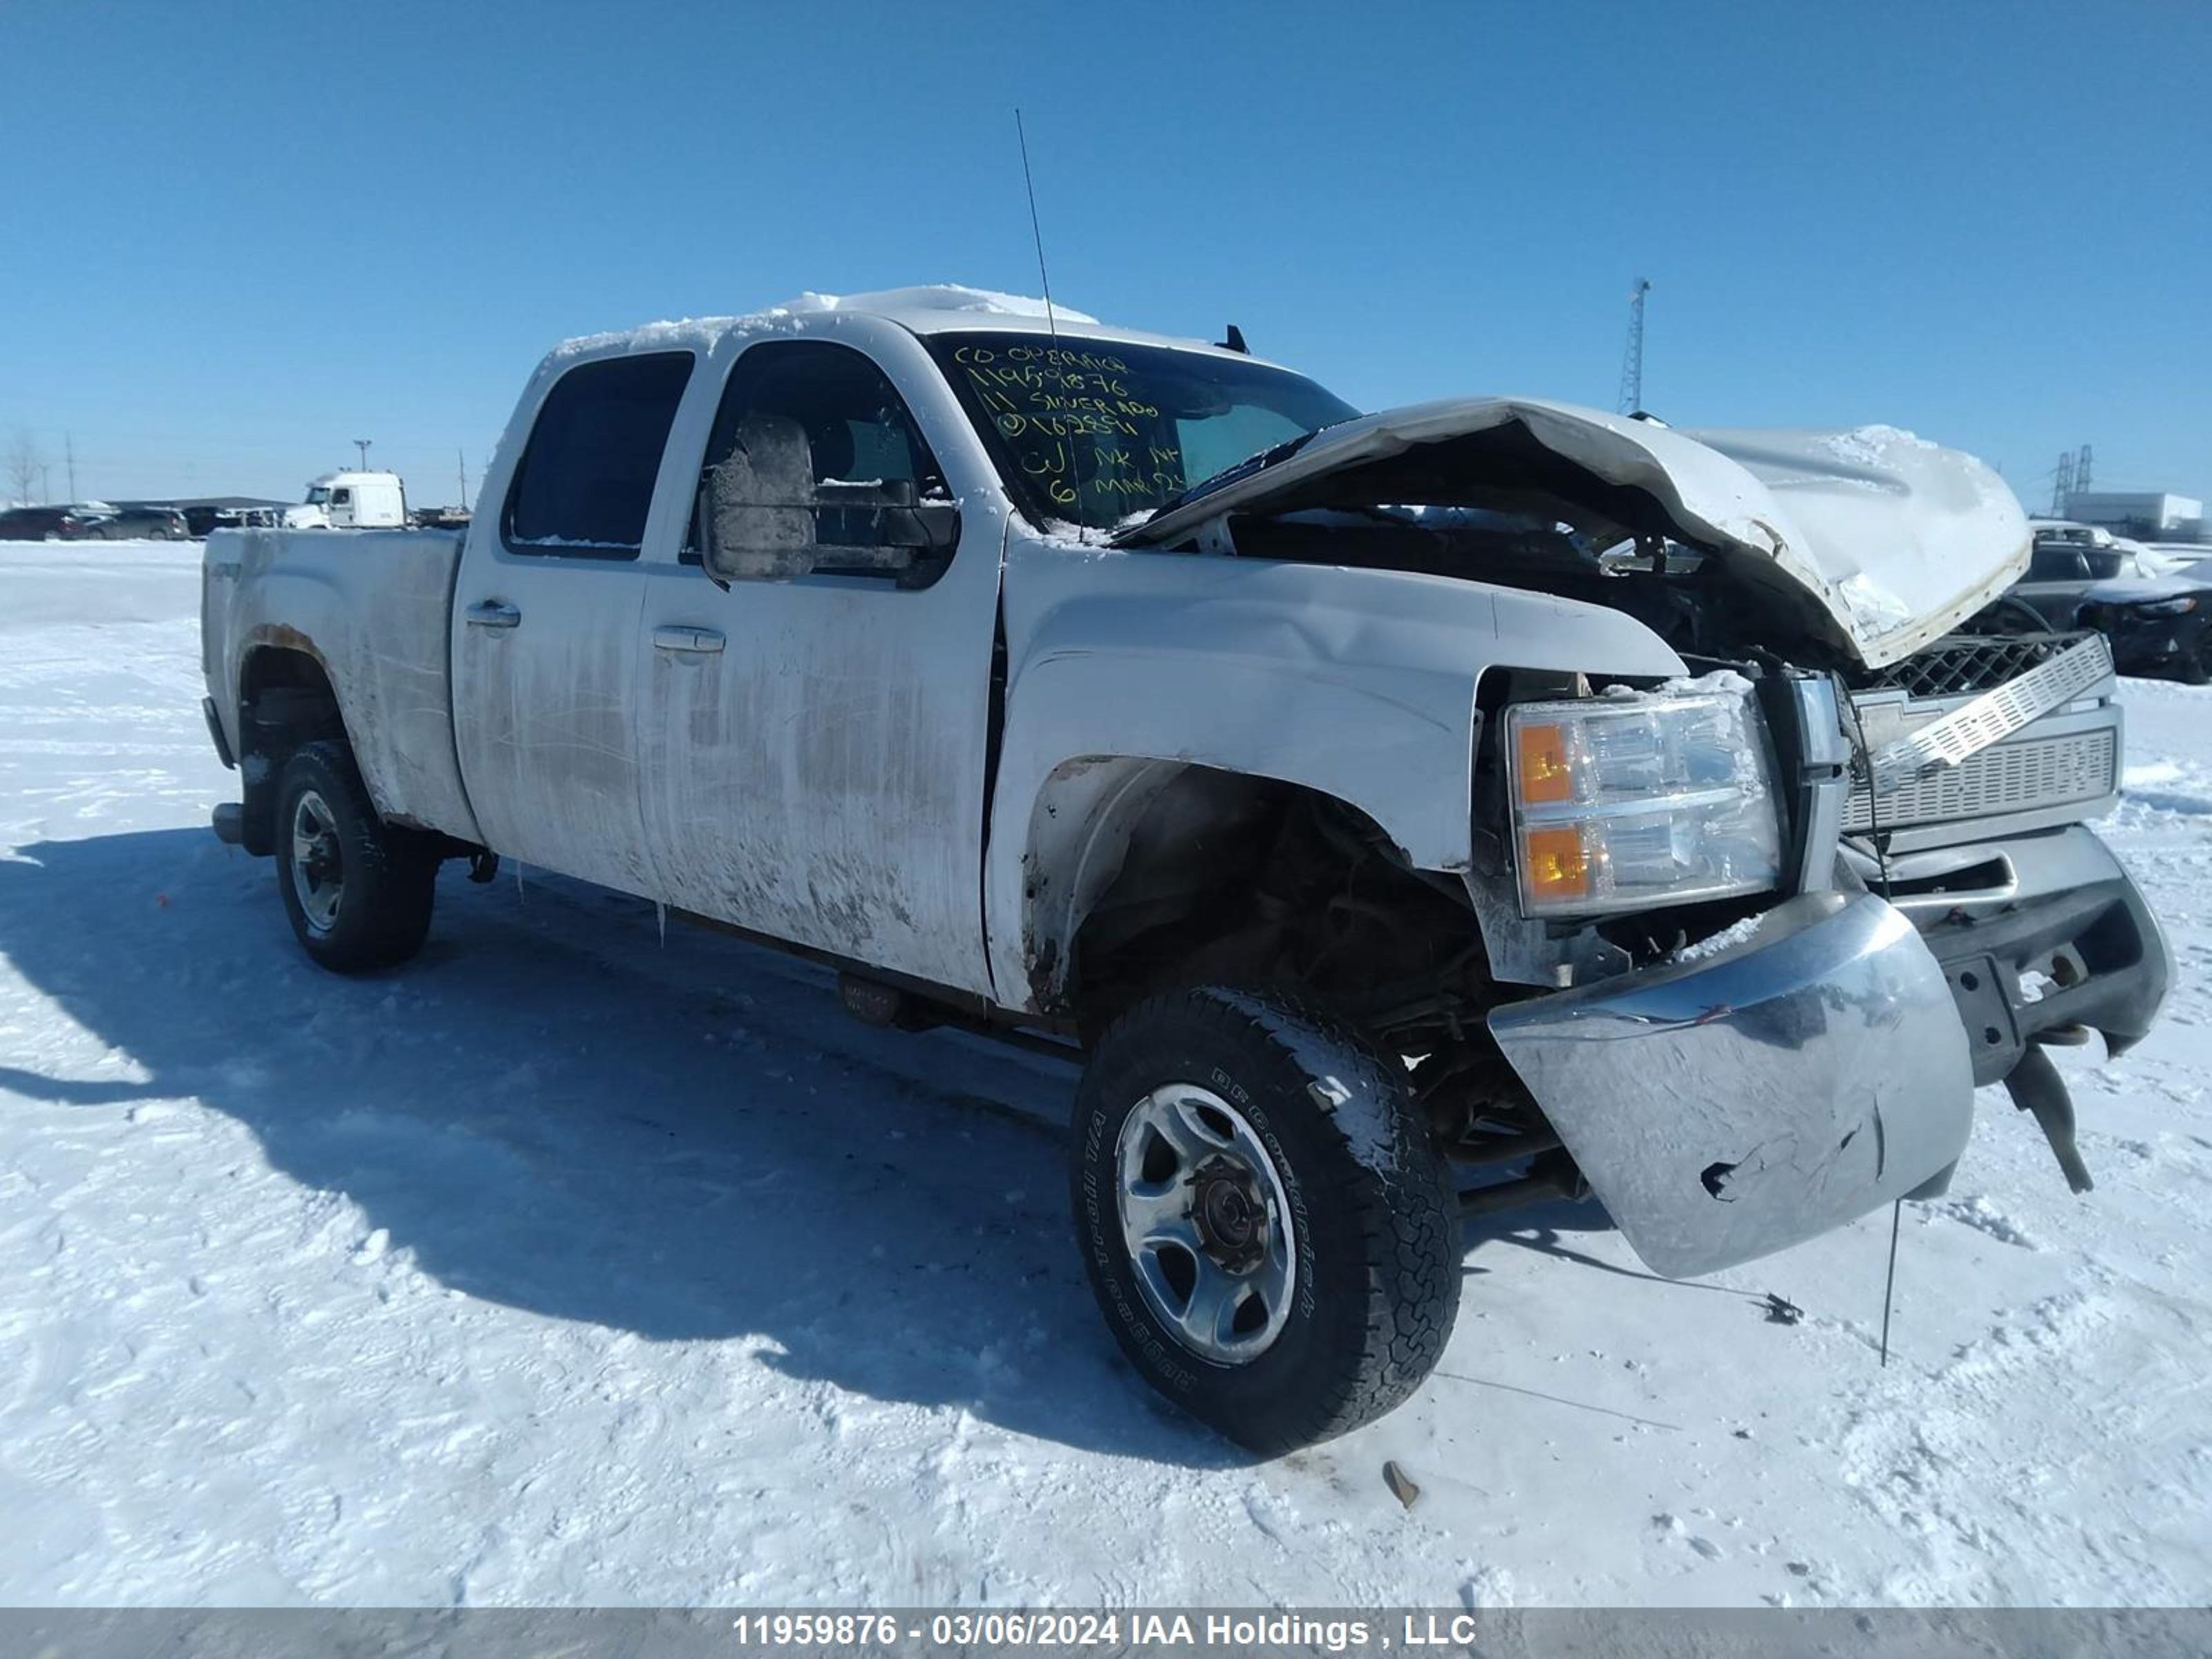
(494, 613)
(683, 637)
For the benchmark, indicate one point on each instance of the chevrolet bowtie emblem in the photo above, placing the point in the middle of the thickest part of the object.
(1993, 716)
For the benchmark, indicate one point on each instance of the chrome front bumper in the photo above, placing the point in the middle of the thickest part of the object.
(1729, 1106)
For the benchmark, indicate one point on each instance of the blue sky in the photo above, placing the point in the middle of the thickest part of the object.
(242, 235)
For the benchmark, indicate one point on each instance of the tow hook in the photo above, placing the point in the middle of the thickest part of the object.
(2036, 1088)
(482, 865)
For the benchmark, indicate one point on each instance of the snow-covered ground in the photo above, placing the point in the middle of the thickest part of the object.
(572, 1266)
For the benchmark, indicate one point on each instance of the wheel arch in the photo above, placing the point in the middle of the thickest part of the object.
(1150, 842)
(286, 698)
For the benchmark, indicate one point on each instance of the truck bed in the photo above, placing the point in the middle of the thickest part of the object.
(373, 608)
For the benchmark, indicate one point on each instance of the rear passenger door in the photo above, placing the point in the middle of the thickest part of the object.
(545, 624)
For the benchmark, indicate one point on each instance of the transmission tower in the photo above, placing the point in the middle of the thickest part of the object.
(2062, 483)
(2081, 470)
(1631, 360)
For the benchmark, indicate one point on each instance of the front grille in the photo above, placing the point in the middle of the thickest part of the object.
(2007, 777)
(1967, 662)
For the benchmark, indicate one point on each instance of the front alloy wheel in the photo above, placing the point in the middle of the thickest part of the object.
(1210, 1236)
(1267, 1226)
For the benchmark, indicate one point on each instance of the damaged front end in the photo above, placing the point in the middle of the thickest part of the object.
(1940, 917)
(1858, 547)
(1723, 1108)
(1868, 806)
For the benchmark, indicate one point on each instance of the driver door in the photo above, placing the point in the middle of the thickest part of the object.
(813, 748)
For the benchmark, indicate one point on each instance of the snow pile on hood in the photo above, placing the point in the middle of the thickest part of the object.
(1872, 446)
(1905, 537)
(933, 297)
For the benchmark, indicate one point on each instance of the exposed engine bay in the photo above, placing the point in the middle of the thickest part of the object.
(1833, 550)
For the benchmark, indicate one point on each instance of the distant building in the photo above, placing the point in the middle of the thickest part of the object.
(2147, 515)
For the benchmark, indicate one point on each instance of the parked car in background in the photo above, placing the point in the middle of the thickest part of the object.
(33, 524)
(2066, 561)
(54, 524)
(2144, 559)
(204, 520)
(2158, 626)
(2174, 558)
(151, 524)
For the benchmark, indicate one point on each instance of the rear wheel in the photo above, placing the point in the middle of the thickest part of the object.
(1267, 1225)
(358, 891)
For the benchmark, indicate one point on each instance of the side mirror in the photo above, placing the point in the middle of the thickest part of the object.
(765, 518)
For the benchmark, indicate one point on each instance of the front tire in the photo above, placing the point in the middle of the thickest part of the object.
(1265, 1222)
(358, 891)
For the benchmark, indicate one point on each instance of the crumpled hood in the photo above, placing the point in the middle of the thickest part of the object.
(1883, 540)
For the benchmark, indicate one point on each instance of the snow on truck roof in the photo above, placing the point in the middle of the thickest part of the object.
(934, 308)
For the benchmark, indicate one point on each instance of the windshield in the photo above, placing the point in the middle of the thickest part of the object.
(317, 495)
(1096, 433)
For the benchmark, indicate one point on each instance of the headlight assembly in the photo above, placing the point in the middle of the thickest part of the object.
(1623, 803)
(2180, 607)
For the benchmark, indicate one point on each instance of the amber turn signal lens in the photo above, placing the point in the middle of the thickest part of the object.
(1545, 772)
(1556, 866)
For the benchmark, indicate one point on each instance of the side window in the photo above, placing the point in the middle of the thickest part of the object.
(858, 431)
(586, 482)
(340, 497)
(2058, 563)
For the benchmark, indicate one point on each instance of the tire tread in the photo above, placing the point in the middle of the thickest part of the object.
(1407, 1219)
(397, 870)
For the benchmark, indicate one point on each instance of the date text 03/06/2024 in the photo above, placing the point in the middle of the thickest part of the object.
(1079, 1631)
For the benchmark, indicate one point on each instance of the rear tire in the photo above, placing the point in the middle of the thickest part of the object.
(1266, 1224)
(358, 891)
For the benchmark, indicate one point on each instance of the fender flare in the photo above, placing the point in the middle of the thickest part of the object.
(1357, 685)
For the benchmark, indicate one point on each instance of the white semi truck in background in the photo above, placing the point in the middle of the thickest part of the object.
(351, 501)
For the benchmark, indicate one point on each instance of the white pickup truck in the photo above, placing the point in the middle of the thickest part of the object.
(1406, 815)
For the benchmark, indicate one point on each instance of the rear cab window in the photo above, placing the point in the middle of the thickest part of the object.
(583, 487)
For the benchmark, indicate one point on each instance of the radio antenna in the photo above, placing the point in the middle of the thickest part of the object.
(1036, 232)
(1051, 320)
